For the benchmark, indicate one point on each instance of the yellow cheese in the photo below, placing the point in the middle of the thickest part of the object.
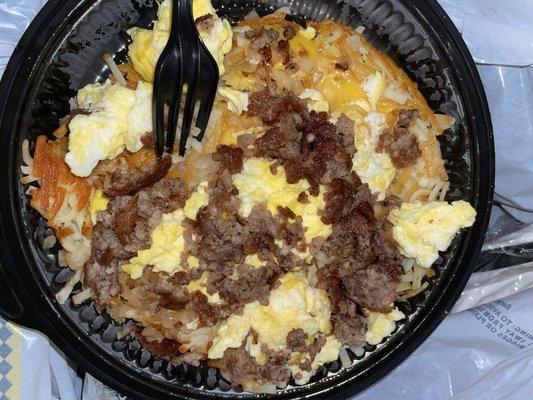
(303, 42)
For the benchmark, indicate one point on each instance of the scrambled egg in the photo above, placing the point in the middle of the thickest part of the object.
(380, 325)
(374, 85)
(98, 202)
(317, 101)
(294, 304)
(375, 169)
(218, 41)
(257, 184)
(254, 261)
(422, 230)
(328, 352)
(394, 93)
(167, 239)
(237, 101)
(307, 33)
(368, 139)
(200, 285)
(147, 45)
(119, 117)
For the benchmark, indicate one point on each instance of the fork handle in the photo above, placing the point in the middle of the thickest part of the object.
(182, 18)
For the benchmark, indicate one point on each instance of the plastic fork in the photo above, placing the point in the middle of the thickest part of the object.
(184, 69)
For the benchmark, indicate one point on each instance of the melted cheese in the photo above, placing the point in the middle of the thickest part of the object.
(303, 42)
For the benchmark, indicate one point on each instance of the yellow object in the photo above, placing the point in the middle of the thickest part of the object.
(237, 100)
(193, 262)
(303, 42)
(307, 33)
(254, 261)
(119, 117)
(97, 203)
(374, 169)
(198, 199)
(317, 102)
(381, 325)
(200, 286)
(201, 8)
(422, 230)
(147, 45)
(328, 352)
(294, 304)
(374, 86)
(167, 239)
(257, 184)
(339, 88)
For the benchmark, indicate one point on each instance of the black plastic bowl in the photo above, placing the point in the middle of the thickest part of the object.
(61, 52)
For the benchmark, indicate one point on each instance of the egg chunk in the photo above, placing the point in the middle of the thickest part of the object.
(97, 203)
(254, 261)
(422, 230)
(168, 243)
(375, 169)
(200, 285)
(257, 184)
(294, 304)
(374, 85)
(381, 325)
(147, 45)
(118, 118)
(237, 100)
(316, 101)
(329, 352)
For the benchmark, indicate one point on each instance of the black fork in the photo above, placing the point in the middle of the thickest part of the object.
(185, 61)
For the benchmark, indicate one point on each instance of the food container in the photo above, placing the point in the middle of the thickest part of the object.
(61, 52)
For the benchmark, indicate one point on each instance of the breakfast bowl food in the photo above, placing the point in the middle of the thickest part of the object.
(303, 248)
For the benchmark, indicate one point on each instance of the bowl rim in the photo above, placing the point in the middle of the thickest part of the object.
(32, 307)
